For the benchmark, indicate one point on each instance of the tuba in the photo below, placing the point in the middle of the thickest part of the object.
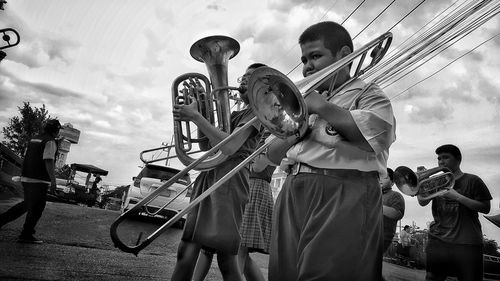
(212, 96)
(425, 184)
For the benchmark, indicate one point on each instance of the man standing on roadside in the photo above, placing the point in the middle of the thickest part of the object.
(455, 244)
(37, 176)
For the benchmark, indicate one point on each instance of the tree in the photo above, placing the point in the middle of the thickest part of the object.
(490, 247)
(21, 129)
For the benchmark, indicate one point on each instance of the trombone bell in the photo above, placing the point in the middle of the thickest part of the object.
(277, 103)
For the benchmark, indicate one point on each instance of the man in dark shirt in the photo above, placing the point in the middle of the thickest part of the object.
(393, 207)
(37, 176)
(455, 246)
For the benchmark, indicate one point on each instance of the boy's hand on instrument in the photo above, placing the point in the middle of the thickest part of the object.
(186, 112)
(315, 102)
(451, 194)
(259, 163)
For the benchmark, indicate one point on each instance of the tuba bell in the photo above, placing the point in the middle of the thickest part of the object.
(425, 184)
(213, 97)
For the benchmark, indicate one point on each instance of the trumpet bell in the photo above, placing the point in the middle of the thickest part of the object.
(406, 180)
(277, 103)
(426, 184)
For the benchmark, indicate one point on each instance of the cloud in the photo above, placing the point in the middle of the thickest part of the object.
(38, 48)
(214, 6)
(154, 50)
(428, 113)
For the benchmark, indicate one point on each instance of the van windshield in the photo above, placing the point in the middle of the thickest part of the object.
(150, 172)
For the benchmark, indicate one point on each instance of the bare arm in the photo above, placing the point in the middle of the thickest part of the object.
(278, 148)
(190, 113)
(475, 205)
(50, 167)
(391, 213)
(341, 119)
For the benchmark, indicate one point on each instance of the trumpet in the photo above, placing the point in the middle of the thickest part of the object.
(291, 120)
(425, 184)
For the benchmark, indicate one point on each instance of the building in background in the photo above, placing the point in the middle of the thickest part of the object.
(68, 135)
(277, 181)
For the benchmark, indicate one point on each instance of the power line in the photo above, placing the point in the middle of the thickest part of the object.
(442, 36)
(445, 66)
(387, 61)
(374, 19)
(407, 15)
(324, 15)
(293, 69)
(353, 12)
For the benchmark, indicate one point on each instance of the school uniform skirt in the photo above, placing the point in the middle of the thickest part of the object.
(257, 219)
(215, 222)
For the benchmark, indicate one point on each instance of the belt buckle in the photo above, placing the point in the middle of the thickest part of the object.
(296, 169)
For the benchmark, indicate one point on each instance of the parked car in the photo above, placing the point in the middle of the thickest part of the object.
(149, 179)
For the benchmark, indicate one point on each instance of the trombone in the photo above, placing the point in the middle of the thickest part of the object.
(6, 38)
(292, 121)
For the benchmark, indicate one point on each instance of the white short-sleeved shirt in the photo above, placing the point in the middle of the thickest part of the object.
(372, 113)
(49, 152)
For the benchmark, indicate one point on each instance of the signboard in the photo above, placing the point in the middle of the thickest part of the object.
(64, 145)
(70, 134)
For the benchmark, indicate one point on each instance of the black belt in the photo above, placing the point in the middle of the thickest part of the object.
(299, 167)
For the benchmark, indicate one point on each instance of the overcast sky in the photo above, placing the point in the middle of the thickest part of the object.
(107, 67)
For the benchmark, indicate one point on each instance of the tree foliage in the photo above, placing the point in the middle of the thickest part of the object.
(490, 247)
(21, 129)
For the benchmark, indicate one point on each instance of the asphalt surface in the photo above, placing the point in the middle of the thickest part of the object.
(77, 246)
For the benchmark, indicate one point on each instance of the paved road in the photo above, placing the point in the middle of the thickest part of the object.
(78, 247)
(62, 262)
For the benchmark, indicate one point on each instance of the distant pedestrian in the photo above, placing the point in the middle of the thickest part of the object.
(37, 177)
(94, 192)
(405, 241)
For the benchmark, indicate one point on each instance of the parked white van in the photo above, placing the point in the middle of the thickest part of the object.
(149, 179)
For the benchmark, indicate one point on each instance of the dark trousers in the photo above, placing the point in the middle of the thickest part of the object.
(327, 228)
(35, 197)
(446, 259)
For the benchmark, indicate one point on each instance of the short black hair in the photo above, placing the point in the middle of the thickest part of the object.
(406, 226)
(256, 65)
(451, 149)
(334, 36)
(52, 126)
(390, 173)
